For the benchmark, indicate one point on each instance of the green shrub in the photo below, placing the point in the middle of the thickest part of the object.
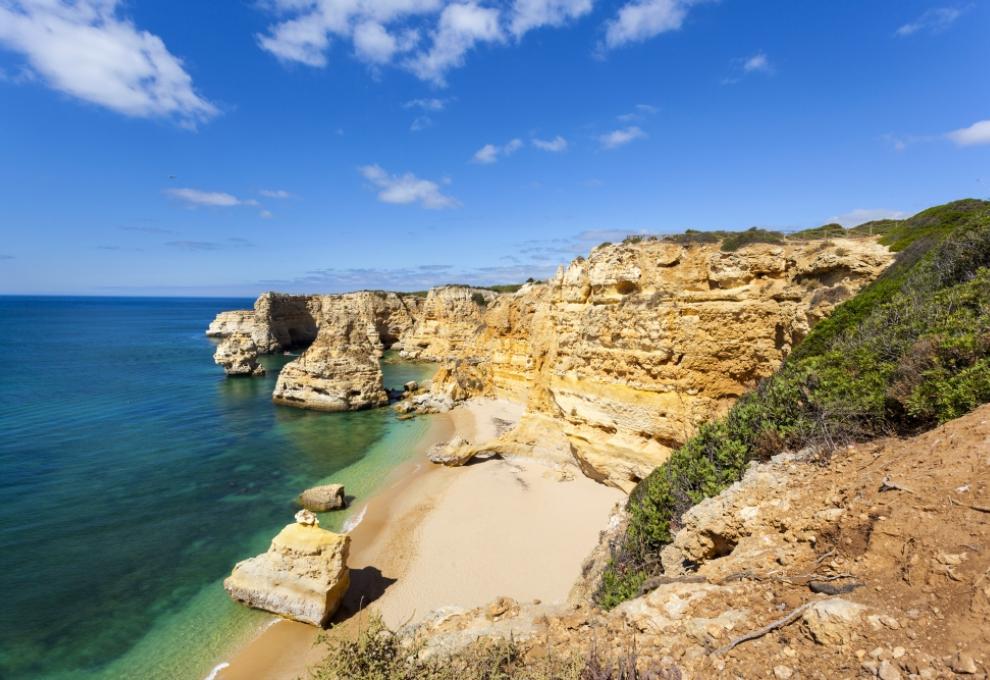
(693, 236)
(911, 350)
(737, 240)
(831, 230)
(378, 653)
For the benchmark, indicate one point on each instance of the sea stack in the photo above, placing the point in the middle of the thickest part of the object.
(303, 576)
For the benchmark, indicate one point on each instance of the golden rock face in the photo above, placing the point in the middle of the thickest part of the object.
(303, 576)
(620, 356)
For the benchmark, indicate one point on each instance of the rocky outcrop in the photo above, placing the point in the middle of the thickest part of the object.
(323, 498)
(870, 562)
(282, 322)
(619, 357)
(303, 576)
(238, 354)
(339, 371)
(447, 322)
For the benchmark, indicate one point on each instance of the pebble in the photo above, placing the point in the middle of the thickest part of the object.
(887, 671)
(964, 663)
(898, 652)
(782, 672)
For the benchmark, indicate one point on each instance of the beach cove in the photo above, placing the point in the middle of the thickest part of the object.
(437, 537)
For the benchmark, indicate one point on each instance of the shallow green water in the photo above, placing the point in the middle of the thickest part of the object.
(133, 475)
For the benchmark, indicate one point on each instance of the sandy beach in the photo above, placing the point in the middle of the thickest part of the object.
(437, 537)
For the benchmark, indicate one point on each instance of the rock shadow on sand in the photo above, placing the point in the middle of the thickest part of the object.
(367, 585)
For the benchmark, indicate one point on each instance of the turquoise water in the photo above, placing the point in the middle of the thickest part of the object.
(133, 475)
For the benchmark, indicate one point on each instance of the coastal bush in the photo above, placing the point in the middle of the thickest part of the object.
(830, 230)
(737, 240)
(379, 653)
(910, 351)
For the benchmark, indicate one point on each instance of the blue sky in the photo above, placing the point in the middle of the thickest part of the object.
(222, 147)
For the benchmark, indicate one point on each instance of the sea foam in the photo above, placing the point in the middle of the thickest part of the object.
(216, 669)
(351, 523)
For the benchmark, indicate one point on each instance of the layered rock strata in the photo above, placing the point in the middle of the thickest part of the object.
(619, 357)
(447, 322)
(340, 370)
(303, 576)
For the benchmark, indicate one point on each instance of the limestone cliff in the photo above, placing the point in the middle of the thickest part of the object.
(619, 357)
(280, 322)
(447, 322)
(238, 354)
(340, 369)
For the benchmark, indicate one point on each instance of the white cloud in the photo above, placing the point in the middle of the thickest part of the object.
(265, 215)
(215, 199)
(757, 63)
(977, 133)
(530, 14)
(639, 112)
(860, 215)
(490, 153)
(431, 104)
(621, 137)
(643, 19)
(934, 20)
(557, 144)
(275, 193)
(88, 51)
(374, 44)
(460, 28)
(420, 123)
(486, 154)
(407, 188)
(381, 31)
(303, 35)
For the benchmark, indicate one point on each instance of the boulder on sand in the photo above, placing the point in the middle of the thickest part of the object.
(303, 576)
(324, 497)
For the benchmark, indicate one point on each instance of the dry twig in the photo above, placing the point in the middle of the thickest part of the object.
(760, 632)
(978, 508)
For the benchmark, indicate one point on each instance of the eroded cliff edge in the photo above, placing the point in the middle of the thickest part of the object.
(620, 356)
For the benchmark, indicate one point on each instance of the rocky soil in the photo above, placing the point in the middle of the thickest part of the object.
(871, 562)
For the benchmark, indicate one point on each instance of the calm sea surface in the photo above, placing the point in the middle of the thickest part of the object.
(133, 475)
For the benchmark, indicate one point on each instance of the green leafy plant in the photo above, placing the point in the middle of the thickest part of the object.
(911, 350)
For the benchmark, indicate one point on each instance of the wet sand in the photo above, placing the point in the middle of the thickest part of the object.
(439, 536)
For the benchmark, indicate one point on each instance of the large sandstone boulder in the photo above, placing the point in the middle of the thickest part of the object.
(323, 498)
(238, 354)
(303, 576)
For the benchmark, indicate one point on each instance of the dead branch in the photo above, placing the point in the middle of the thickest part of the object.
(657, 581)
(977, 508)
(887, 485)
(760, 632)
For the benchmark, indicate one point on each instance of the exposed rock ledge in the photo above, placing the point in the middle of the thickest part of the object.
(620, 356)
(303, 576)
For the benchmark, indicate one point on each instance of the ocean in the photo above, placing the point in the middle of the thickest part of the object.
(134, 474)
